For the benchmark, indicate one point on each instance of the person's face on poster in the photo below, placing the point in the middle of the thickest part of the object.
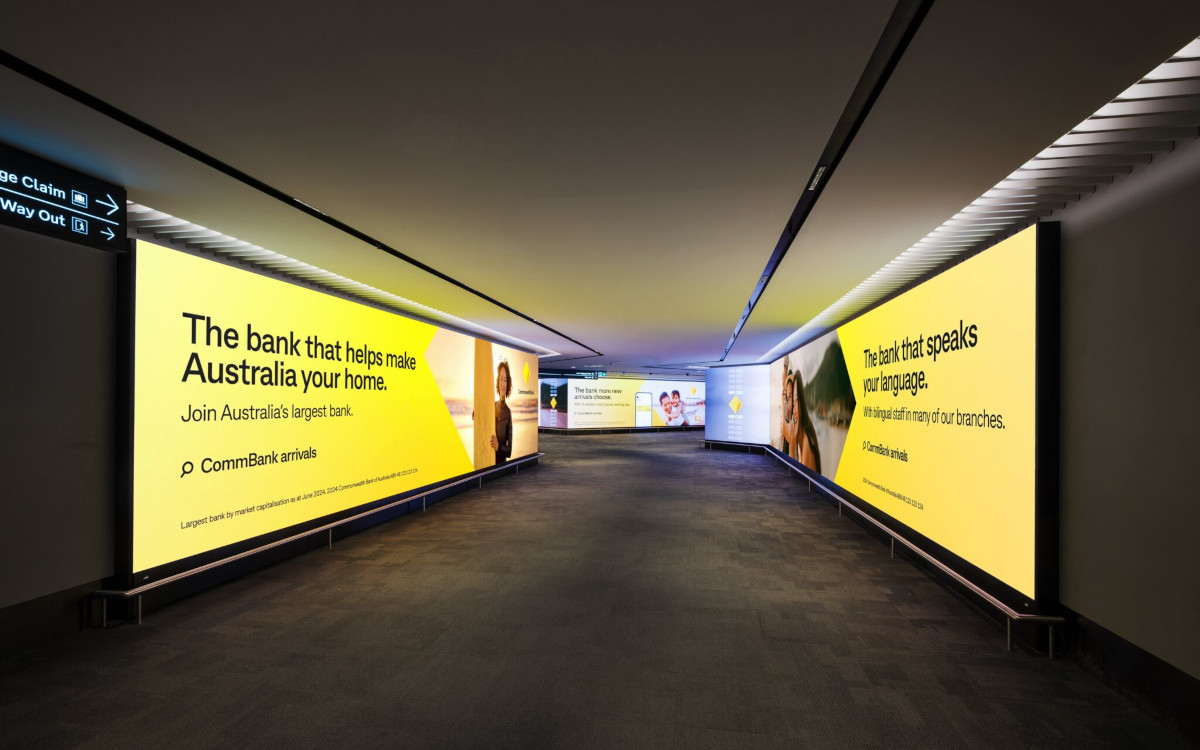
(787, 398)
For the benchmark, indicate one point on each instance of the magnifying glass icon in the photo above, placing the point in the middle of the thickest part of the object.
(187, 469)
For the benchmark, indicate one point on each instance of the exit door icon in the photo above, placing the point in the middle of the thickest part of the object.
(79, 225)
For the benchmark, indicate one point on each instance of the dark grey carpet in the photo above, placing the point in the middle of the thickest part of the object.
(635, 591)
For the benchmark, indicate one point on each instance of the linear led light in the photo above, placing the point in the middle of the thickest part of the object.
(197, 239)
(1144, 121)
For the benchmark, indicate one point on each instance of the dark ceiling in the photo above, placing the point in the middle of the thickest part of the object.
(619, 172)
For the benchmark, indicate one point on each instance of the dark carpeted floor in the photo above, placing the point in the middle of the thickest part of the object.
(634, 591)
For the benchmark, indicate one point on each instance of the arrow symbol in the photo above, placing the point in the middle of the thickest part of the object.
(108, 232)
(110, 202)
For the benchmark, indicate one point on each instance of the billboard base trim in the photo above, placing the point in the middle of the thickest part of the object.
(136, 593)
(1011, 615)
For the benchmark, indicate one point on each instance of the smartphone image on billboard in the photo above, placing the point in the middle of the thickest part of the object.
(641, 409)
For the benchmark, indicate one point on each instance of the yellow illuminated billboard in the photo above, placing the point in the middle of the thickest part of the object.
(925, 408)
(259, 405)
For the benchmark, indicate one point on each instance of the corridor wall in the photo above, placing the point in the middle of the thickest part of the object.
(1129, 509)
(59, 386)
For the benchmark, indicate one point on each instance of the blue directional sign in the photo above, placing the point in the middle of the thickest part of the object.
(49, 199)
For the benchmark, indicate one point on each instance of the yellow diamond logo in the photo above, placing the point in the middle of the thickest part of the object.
(693, 390)
(735, 404)
(553, 403)
(525, 372)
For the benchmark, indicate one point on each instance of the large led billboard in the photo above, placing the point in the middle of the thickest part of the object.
(260, 405)
(599, 403)
(738, 405)
(925, 408)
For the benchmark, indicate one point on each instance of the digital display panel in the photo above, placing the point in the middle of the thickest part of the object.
(552, 409)
(587, 403)
(259, 405)
(924, 407)
(738, 404)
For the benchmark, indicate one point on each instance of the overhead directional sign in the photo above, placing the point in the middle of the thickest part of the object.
(49, 199)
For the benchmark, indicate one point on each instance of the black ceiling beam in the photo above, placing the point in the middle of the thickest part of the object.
(906, 18)
(77, 94)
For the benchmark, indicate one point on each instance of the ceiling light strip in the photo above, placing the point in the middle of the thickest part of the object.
(902, 25)
(80, 96)
(201, 240)
(1145, 121)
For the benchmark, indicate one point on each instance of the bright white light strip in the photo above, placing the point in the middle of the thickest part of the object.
(173, 230)
(1006, 209)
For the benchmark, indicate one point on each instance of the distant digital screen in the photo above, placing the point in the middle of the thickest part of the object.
(585, 403)
(552, 403)
(739, 404)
